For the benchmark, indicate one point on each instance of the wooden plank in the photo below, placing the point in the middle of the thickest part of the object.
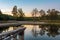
(13, 32)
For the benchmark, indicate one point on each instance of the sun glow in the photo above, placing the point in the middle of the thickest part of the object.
(9, 12)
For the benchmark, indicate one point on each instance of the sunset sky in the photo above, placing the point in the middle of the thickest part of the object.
(27, 5)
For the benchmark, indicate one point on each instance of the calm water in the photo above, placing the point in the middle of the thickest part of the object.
(41, 32)
(38, 32)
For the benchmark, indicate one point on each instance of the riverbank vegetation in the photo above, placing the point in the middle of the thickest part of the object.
(51, 15)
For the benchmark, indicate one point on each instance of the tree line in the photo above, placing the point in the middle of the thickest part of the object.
(18, 14)
(51, 14)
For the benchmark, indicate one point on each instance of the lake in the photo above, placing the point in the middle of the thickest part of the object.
(37, 32)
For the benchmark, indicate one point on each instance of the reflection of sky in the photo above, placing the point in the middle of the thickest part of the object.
(28, 5)
(30, 35)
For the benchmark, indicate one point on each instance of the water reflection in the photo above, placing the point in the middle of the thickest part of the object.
(15, 36)
(3, 29)
(36, 32)
(50, 30)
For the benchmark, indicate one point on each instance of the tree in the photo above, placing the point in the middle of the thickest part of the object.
(14, 11)
(0, 12)
(1, 15)
(42, 12)
(53, 14)
(48, 11)
(21, 14)
(34, 13)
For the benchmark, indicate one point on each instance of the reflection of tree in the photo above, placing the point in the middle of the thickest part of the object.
(34, 32)
(42, 30)
(4, 29)
(53, 31)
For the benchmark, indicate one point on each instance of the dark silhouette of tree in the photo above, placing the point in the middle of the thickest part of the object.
(53, 14)
(21, 14)
(0, 15)
(42, 12)
(53, 31)
(14, 11)
(6, 17)
(34, 31)
(34, 13)
(0, 12)
(48, 11)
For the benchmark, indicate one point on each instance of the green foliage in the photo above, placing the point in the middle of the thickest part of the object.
(52, 15)
(6, 17)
